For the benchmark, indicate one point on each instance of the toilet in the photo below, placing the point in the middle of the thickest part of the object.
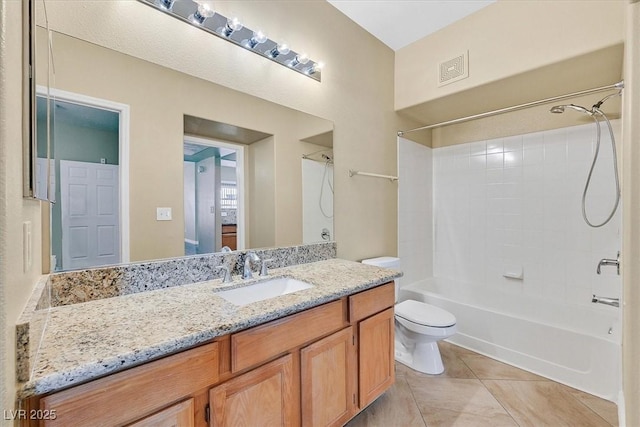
(418, 328)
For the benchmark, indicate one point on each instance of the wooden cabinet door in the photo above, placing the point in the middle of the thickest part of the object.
(328, 380)
(179, 415)
(262, 397)
(376, 356)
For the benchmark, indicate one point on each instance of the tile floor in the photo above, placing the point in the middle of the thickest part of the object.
(475, 391)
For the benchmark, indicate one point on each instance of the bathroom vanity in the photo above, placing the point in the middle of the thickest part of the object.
(313, 357)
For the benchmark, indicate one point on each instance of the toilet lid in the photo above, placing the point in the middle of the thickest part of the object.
(424, 314)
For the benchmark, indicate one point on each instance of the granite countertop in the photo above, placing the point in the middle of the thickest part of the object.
(85, 341)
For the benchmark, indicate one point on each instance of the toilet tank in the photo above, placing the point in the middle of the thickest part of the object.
(386, 262)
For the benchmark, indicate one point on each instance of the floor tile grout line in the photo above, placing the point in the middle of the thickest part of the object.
(587, 406)
(499, 402)
(415, 402)
(468, 367)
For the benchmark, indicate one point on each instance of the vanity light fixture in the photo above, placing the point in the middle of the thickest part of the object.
(201, 14)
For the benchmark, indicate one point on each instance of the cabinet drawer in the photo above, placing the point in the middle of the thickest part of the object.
(371, 301)
(136, 392)
(259, 344)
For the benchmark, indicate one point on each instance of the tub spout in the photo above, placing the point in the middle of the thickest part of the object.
(615, 302)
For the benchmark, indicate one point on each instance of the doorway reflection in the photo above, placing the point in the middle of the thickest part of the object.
(211, 195)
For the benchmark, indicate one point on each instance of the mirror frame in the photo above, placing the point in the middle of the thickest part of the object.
(29, 106)
(29, 139)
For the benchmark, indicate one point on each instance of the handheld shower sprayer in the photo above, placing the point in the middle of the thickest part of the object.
(559, 109)
(594, 113)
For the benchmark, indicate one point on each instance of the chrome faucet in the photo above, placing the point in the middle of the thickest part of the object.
(249, 258)
(607, 261)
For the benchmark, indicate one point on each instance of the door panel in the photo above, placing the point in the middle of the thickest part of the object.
(90, 214)
(261, 397)
(376, 367)
(328, 380)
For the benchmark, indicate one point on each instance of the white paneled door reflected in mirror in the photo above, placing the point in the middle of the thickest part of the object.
(84, 182)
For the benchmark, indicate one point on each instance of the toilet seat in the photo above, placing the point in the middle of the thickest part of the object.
(422, 314)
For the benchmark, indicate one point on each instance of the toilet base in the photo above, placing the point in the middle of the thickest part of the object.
(424, 357)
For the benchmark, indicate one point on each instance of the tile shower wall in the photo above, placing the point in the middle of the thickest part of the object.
(513, 206)
(415, 213)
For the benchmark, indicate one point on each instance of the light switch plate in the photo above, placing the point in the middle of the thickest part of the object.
(27, 250)
(163, 214)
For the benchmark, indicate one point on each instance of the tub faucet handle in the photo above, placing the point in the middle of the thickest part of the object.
(608, 261)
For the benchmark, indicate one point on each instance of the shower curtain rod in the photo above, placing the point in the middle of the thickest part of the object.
(308, 156)
(618, 86)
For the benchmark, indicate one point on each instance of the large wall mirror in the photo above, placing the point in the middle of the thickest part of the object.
(147, 162)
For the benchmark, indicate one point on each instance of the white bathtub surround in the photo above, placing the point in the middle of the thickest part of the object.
(512, 207)
(513, 204)
(415, 214)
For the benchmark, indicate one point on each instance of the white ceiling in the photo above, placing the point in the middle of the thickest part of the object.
(398, 23)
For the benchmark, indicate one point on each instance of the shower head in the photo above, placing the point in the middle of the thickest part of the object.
(557, 109)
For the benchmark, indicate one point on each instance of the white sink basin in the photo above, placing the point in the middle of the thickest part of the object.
(263, 290)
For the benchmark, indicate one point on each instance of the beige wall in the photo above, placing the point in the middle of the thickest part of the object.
(508, 42)
(631, 223)
(261, 230)
(15, 283)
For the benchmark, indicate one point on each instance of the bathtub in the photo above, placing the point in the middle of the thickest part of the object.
(577, 345)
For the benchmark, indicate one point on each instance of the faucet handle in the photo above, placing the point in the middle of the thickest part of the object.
(607, 261)
(227, 273)
(263, 267)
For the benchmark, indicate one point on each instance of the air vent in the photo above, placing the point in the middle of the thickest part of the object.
(454, 69)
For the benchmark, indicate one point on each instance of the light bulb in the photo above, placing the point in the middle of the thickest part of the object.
(280, 49)
(166, 4)
(233, 24)
(257, 38)
(317, 66)
(204, 11)
(301, 58)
